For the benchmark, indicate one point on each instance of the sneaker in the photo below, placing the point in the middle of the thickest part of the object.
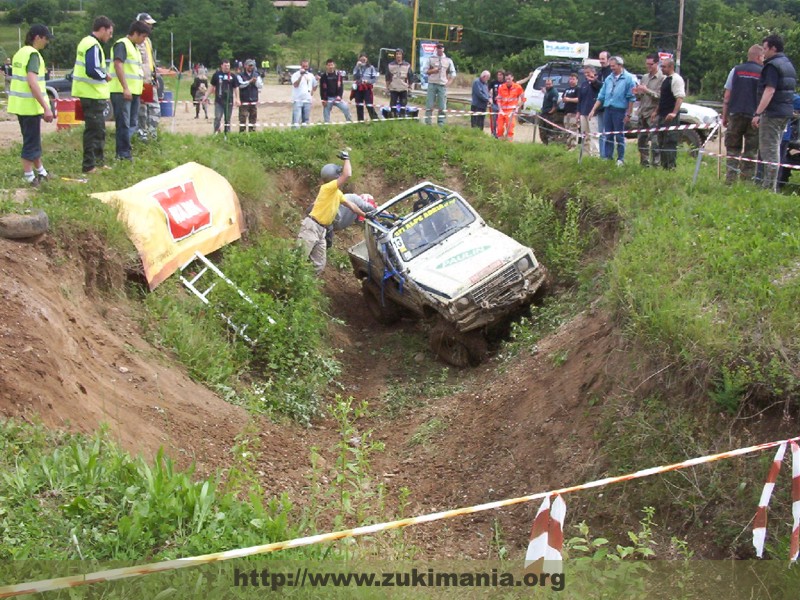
(35, 183)
(46, 177)
(620, 163)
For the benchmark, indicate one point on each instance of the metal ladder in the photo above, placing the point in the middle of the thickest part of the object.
(209, 266)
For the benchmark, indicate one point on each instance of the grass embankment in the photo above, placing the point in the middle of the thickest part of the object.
(706, 279)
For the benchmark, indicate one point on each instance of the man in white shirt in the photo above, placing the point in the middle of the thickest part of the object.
(303, 85)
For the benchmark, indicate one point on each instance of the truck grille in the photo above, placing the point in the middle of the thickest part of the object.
(496, 288)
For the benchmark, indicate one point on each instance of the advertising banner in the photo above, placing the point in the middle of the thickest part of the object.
(173, 215)
(566, 49)
(427, 48)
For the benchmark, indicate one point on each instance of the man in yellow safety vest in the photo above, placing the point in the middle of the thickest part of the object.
(28, 100)
(90, 85)
(127, 82)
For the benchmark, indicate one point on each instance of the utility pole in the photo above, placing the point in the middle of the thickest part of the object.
(414, 37)
(680, 39)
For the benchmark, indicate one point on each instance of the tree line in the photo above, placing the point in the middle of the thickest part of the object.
(497, 34)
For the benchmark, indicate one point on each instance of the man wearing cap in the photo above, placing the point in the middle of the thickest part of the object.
(441, 71)
(398, 81)
(149, 106)
(127, 82)
(27, 100)
(90, 85)
(315, 226)
(245, 95)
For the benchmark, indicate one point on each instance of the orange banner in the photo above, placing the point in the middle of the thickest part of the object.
(175, 214)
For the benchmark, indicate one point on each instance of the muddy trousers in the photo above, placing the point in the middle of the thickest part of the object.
(741, 140)
(312, 237)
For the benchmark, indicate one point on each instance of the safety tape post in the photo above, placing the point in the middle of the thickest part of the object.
(9, 591)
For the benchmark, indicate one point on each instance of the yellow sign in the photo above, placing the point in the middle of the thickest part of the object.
(173, 215)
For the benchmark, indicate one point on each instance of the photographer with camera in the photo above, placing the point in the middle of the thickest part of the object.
(303, 85)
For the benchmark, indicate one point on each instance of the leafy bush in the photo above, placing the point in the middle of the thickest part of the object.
(285, 321)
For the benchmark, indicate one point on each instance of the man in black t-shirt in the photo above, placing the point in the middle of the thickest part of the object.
(570, 98)
(222, 83)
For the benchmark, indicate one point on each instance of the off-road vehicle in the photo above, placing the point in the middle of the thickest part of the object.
(429, 255)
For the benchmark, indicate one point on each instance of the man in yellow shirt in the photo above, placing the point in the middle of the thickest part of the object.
(28, 100)
(315, 226)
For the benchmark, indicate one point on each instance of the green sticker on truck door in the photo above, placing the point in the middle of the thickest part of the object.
(462, 256)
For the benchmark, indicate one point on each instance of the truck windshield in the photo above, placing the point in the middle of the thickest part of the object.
(430, 227)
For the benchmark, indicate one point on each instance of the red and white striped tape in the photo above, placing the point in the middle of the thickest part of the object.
(547, 537)
(752, 160)
(760, 520)
(47, 585)
(794, 545)
(651, 130)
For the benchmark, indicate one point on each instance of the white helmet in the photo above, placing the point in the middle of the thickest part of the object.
(330, 172)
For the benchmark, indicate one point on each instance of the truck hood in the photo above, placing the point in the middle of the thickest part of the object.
(463, 260)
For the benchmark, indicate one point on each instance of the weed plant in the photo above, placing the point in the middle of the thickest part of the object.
(69, 497)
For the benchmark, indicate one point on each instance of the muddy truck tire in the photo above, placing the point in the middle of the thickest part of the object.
(457, 348)
(386, 312)
(18, 227)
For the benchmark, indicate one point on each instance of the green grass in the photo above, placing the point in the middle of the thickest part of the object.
(56, 485)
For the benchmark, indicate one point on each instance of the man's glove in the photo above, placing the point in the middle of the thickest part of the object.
(371, 214)
(344, 155)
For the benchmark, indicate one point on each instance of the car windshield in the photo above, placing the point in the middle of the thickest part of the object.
(430, 227)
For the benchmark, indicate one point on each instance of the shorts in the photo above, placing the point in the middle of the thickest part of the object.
(31, 127)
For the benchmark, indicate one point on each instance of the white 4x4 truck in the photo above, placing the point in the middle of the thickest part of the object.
(429, 255)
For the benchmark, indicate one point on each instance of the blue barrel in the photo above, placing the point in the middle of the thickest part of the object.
(167, 108)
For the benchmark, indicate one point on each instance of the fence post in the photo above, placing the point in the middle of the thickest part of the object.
(697, 165)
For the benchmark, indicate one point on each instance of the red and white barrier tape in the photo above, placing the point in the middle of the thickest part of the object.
(9, 591)
(794, 544)
(760, 520)
(752, 160)
(650, 130)
(547, 537)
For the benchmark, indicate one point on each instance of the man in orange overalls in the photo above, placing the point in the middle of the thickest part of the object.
(510, 97)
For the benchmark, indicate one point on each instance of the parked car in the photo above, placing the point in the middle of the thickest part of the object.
(559, 72)
(429, 255)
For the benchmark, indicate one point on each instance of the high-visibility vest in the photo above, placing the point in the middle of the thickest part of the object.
(20, 97)
(508, 99)
(132, 67)
(84, 86)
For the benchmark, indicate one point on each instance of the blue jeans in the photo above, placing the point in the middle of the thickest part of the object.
(301, 113)
(437, 97)
(601, 117)
(326, 110)
(614, 120)
(126, 116)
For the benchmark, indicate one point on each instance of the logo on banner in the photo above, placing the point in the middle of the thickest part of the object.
(184, 211)
(662, 56)
(566, 49)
